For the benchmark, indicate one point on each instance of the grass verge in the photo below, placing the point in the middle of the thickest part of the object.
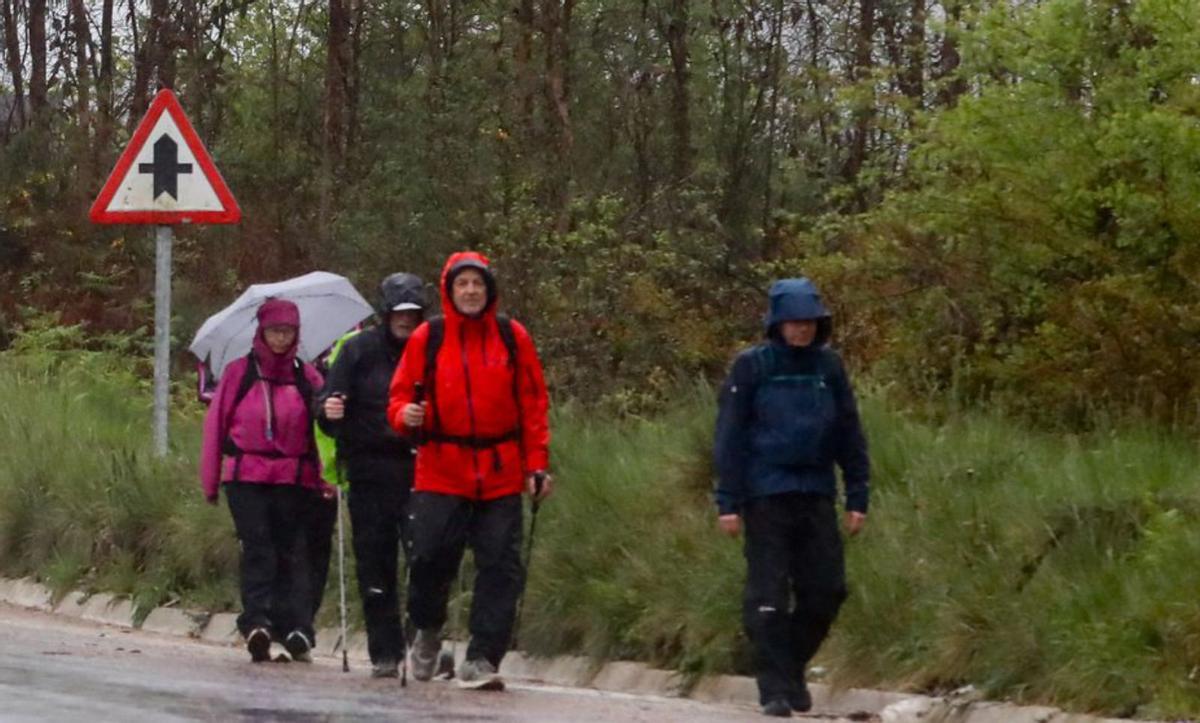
(1040, 567)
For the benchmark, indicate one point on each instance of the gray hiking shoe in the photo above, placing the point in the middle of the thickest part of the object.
(479, 674)
(385, 669)
(424, 656)
(445, 666)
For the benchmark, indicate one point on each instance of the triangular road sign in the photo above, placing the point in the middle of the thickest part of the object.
(165, 176)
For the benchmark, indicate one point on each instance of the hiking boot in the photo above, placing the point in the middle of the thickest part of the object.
(777, 708)
(258, 642)
(800, 699)
(299, 647)
(425, 648)
(385, 669)
(479, 674)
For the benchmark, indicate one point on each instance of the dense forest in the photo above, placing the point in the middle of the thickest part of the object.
(1001, 199)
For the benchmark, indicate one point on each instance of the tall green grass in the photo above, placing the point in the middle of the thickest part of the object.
(1037, 566)
(84, 502)
(1042, 567)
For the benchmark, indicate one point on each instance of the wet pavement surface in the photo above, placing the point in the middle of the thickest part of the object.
(55, 668)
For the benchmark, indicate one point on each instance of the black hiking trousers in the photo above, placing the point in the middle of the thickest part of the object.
(275, 569)
(442, 527)
(795, 584)
(378, 498)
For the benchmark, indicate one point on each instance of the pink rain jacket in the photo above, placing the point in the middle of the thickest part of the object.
(271, 425)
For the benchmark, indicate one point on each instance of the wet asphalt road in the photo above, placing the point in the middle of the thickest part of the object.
(57, 669)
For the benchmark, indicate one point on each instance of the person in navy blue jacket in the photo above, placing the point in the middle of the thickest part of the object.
(787, 416)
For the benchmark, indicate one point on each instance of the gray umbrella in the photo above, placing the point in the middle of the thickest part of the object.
(329, 307)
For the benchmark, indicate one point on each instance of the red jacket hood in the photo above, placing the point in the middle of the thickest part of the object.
(467, 260)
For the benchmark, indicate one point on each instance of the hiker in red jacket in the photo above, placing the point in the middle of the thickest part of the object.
(470, 391)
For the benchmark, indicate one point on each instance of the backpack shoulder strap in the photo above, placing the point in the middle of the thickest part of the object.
(764, 363)
(303, 386)
(433, 344)
(249, 376)
(504, 323)
(307, 394)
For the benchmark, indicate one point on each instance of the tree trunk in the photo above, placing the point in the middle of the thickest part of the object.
(775, 69)
(37, 59)
(522, 62)
(864, 40)
(83, 100)
(681, 125)
(104, 99)
(914, 71)
(949, 59)
(354, 76)
(336, 71)
(12, 56)
(556, 25)
(435, 43)
(151, 67)
(83, 37)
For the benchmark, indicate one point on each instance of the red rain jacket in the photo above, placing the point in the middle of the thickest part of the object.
(474, 400)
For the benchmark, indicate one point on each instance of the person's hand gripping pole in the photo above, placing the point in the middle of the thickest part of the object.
(414, 413)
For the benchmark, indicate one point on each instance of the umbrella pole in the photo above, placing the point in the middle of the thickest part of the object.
(162, 335)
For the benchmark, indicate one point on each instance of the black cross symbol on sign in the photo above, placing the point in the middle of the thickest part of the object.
(166, 167)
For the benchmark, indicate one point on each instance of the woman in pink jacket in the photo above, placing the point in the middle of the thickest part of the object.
(258, 445)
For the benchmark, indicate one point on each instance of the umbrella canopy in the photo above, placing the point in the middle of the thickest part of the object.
(329, 307)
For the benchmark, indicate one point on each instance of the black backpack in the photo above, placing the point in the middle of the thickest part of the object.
(437, 334)
(252, 375)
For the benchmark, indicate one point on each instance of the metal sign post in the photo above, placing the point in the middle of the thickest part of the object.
(164, 177)
(162, 335)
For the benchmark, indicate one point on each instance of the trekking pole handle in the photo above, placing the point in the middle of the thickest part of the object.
(335, 395)
(539, 481)
(419, 398)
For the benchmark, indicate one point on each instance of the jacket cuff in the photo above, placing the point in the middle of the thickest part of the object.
(537, 460)
(856, 501)
(728, 506)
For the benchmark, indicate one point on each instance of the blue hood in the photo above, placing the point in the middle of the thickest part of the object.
(794, 300)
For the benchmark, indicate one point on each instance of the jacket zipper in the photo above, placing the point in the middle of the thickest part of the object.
(270, 409)
(462, 342)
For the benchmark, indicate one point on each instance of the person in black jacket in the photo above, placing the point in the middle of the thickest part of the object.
(787, 416)
(378, 463)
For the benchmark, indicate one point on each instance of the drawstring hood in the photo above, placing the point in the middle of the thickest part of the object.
(271, 366)
(797, 300)
(275, 368)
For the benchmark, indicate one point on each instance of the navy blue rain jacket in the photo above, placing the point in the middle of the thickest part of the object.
(788, 414)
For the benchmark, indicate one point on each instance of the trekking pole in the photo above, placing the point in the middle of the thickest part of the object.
(339, 466)
(342, 577)
(458, 615)
(418, 397)
(403, 605)
(539, 479)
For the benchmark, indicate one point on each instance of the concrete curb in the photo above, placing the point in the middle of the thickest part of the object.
(568, 671)
(921, 709)
(172, 621)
